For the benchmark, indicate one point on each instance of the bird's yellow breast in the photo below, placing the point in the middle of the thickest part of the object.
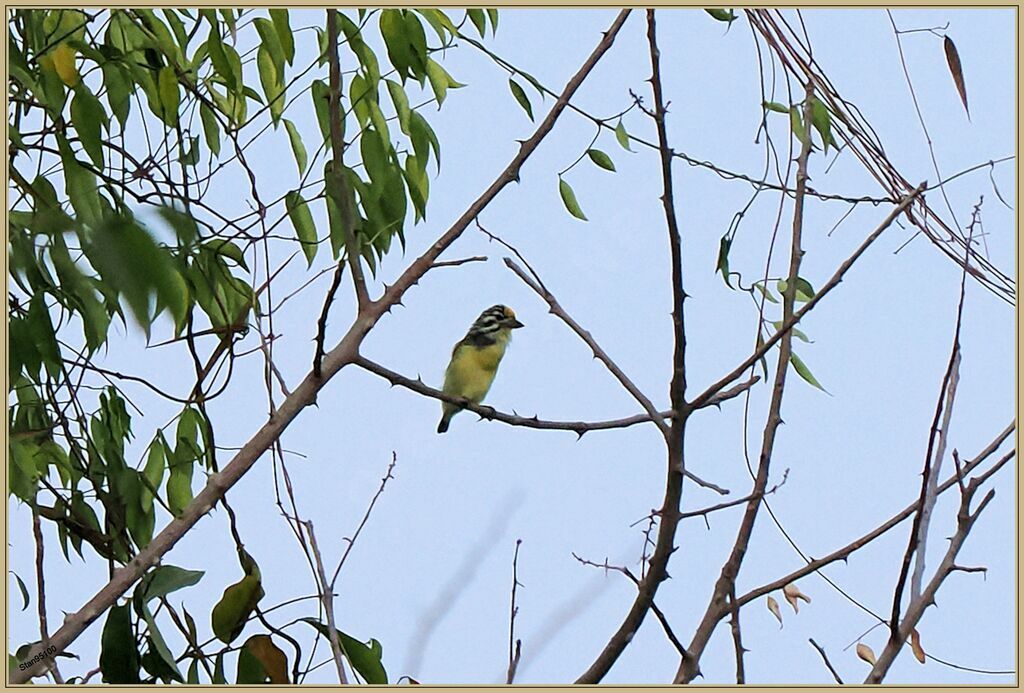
(472, 370)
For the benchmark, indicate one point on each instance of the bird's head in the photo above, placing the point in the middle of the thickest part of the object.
(494, 319)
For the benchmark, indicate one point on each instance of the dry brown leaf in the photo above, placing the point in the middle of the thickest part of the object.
(270, 656)
(793, 595)
(866, 653)
(955, 69)
(915, 645)
(773, 606)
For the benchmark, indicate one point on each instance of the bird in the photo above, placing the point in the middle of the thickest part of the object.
(475, 359)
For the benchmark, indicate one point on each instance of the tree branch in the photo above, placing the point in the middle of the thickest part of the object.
(726, 583)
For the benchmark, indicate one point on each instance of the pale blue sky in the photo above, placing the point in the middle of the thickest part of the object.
(881, 343)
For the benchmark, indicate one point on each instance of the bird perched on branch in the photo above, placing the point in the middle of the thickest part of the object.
(475, 359)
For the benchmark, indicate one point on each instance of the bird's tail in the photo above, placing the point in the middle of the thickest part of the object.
(446, 417)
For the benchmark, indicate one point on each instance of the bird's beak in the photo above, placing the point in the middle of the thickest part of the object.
(516, 324)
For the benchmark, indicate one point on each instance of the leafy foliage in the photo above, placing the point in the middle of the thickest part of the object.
(120, 123)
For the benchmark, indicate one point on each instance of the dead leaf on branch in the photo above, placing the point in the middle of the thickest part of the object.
(956, 69)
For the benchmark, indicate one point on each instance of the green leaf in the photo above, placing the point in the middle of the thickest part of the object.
(424, 140)
(622, 136)
(119, 658)
(165, 579)
(796, 123)
(401, 101)
(774, 106)
(492, 14)
(321, 93)
(236, 604)
(23, 589)
(724, 245)
(766, 292)
(170, 97)
(722, 15)
(179, 485)
(365, 658)
(796, 333)
(163, 664)
(804, 372)
(284, 33)
(302, 220)
(153, 472)
(80, 184)
(569, 199)
(298, 149)
(271, 42)
(601, 159)
(822, 122)
(479, 20)
(271, 82)
(440, 81)
(520, 94)
(89, 119)
(211, 129)
(804, 290)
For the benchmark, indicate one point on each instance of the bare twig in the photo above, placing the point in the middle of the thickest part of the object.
(737, 637)
(933, 457)
(366, 516)
(327, 598)
(514, 646)
(321, 325)
(824, 658)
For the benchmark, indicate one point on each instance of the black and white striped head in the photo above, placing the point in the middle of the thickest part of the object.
(491, 321)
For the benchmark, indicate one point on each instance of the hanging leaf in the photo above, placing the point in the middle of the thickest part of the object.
(236, 604)
(793, 595)
(365, 658)
(119, 658)
(804, 372)
(302, 220)
(569, 199)
(622, 136)
(298, 149)
(601, 159)
(89, 119)
(722, 15)
(774, 106)
(822, 122)
(915, 646)
(773, 606)
(866, 653)
(273, 661)
(723, 258)
(479, 20)
(520, 94)
(23, 589)
(956, 70)
(796, 123)
(766, 292)
(170, 97)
